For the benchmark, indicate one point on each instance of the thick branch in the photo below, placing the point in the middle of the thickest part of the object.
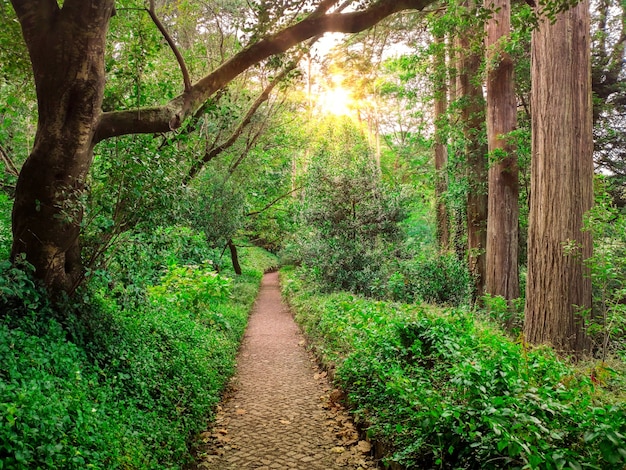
(171, 116)
(172, 44)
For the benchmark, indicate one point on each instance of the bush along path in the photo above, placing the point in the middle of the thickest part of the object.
(280, 411)
(438, 388)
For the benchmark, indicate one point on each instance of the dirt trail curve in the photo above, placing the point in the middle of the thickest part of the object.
(280, 412)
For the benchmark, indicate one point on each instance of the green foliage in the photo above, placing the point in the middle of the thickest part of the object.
(139, 258)
(349, 216)
(431, 277)
(5, 227)
(94, 384)
(607, 325)
(218, 206)
(507, 314)
(440, 389)
(191, 289)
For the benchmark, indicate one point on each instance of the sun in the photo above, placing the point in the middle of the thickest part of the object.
(336, 101)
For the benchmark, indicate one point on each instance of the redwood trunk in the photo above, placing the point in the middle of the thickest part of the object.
(67, 48)
(473, 117)
(561, 182)
(503, 213)
(441, 155)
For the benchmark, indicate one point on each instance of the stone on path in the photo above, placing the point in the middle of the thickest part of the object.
(279, 414)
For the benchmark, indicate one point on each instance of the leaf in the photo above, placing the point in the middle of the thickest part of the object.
(574, 465)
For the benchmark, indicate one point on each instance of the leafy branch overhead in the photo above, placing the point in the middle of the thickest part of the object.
(170, 116)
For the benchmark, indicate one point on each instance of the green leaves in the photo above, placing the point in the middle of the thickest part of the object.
(349, 216)
(192, 290)
(443, 390)
(119, 385)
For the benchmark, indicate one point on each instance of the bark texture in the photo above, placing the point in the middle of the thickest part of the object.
(66, 47)
(503, 211)
(562, 182)
(441, 153)
(473, 118)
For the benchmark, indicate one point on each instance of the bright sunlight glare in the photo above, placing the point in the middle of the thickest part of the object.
(335, 101)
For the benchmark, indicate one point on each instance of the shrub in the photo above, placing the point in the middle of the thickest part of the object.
(349, 216)
(431, 277)
(442, 390)
(94, 385)
(5, 226)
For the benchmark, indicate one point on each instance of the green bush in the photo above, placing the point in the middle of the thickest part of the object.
(349, 215)
(438, 278)
(95, 385)
(607, 266)
(442, 390)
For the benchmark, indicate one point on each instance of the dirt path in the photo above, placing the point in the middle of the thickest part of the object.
(280, 412)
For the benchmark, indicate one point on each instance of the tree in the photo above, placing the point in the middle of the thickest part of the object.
(66, 46)
(350, 216)
(503, 212)
(558, 290)
(441, 156)
(609, 90)
(473, 115)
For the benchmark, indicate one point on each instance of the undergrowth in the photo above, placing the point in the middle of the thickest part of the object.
(95, 384)
(440, 389)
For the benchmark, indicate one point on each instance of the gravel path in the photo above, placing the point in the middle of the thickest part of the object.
(280, 411)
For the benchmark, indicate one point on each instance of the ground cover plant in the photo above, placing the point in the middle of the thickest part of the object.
(441, 389)
(116, 387)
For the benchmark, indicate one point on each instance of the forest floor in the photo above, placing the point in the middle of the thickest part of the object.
(280, 411)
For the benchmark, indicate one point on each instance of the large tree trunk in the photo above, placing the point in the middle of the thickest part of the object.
(503, 213)
(473, 118)
(67, 48)
(561, 182)
(441, 154)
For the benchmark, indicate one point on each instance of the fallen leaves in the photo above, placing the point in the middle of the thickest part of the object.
(364, 447)
(320, 375)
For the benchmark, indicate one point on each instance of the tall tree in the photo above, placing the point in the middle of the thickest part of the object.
(503, 212)
(441, 156)
(472, 104)
(561, 182)
(66, 46)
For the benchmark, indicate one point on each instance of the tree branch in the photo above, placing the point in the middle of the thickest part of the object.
(170, 116)
(216, 150)
(279, 198)
(10, 166)
(172, 44)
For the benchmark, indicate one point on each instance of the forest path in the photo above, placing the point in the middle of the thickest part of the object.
(279, 412)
